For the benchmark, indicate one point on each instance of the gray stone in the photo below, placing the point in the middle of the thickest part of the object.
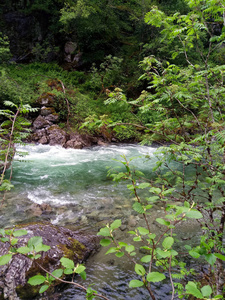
(63, 242)
(56, 135)
(45, 111)
(41, 122)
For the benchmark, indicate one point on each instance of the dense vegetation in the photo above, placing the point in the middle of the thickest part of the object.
(149, 71)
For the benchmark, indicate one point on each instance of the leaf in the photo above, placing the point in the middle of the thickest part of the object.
(138, 207)
(119, 254)
(23, 250)
(68, 271)
(168, 242)
(57, 273)
(34, 241)
(20, 232)
(194, 254)
(146, 258)
(194, 214)
(83, 275)
(129, 248)
(4, 259)
(14, 241)
(163, 222)
(206, 291)
(116, 224)
(112, 250)
(43, 288)
(36, 280)
(155, 190)
(155, 277)
(137, 239)
(2, 232)
(143, 185)
(105, 242)
(143, 231)
(67, 263)
(41, 247)
(210, 258)
(191, 288)
(79, 269)
(104, 231)
(139, 269)
(220, 256)
(136, 283)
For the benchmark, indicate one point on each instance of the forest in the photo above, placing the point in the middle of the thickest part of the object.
(141, 72)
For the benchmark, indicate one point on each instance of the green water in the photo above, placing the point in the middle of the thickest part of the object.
(70, 187)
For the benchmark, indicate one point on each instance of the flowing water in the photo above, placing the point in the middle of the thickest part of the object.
(70, 187)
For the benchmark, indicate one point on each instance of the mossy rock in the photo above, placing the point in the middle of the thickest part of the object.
(63, 242)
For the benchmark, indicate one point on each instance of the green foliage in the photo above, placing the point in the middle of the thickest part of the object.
(4, 49)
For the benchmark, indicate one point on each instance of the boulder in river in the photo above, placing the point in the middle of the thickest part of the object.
(63, 242)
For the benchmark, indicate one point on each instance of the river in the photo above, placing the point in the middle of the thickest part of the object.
(70, 187)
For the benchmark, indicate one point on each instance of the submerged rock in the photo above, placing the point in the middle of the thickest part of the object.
(63, 242)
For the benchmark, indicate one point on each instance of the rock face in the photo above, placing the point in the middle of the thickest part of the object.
(63, 242)
(46, 130)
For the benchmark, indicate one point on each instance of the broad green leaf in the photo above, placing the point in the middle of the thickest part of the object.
(23, 250)
(112, 250)
(67, 263)
(116, 224)
(146, 258)
(137, 239)
(14, 241)
(122, 244)
(194, 214)
(155, 277)
(192, 289)
(153, 198)
(210, 258)
(4, 259)
(136, 283)
(187, 247)
(57, 273)
(43, 288)
(68, 271)
(34, 241)
(41, 247)
(36, 280)
(105, 242)
(4, 239)
(163, 254)
(138, 207)
(194, 254)
(155, 190)
(168, 242)
(37, 256)
(79, 269)
(83, 275)
(143, 231)
(104, 231)
(162, 221)
(206, 291)
(119, 254)
(152, 236)
(129, 248)
(139, 269)
(220, 256)
(2, 232)
(143, 185)
(19, 232)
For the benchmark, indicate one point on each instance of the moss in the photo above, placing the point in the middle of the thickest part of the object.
(75, 250)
